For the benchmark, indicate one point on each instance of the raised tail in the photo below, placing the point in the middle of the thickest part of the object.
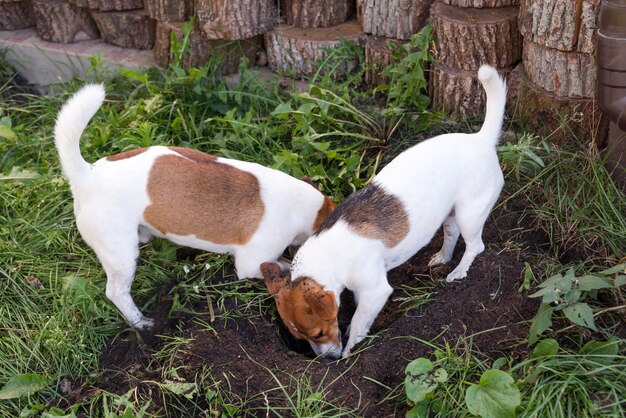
(495, 88)
(71, 122)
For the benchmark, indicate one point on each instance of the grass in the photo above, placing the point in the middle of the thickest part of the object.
(54, 320)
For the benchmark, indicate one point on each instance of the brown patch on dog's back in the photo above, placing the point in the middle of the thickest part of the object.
(327, 208)
(194, 194)
(126, 154)
(372, 213)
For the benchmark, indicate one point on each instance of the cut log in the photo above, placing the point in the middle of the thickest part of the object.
(479, 4)
(201, 50)
(170, 10)
(459, 92)
(378, 55)
(294, 51)
(16, 15)
(130, 29)
(315, 13)
(60, 21)
(108, 5)
(545, 114)
(467, 38)
(393, 18)
(566, 74)
(566, 25)
(239, 19)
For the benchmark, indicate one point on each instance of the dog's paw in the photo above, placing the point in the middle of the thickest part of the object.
(438, 259)
(456, 275)
(346, 353)
(144, 324)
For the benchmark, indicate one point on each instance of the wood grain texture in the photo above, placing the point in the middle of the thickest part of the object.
(239, 19)
(128, 29)
(315, 13)
(393, 18)
(16, 14)
(60, 21)
(170, 10)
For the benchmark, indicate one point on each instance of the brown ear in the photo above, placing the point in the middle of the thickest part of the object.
(273, 280)
(306, 179)
(324, 304)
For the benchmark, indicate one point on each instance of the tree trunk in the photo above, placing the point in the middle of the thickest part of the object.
(315, 13)
(544, 113)
(108, 5)
(16, 15)
(239, 19)
(132, 29)
(566, 74)
(467, 38)
(60, 21)
(170, 10)
(458, 91)
(295, 50)
(479, 4)
(201, 50)
(567, 25)
(378, 55)
(393, 18)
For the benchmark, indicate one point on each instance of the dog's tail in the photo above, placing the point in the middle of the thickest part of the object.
(71, 123)
(495, 88)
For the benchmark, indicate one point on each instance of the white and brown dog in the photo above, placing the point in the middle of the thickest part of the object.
(191, 198)
(452, 179)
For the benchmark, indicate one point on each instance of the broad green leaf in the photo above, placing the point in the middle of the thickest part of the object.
(620, 268)
(591, 282)
(18, 173)
(496, 396)
(421, 379)
(418, 411)
(581, 314)
(6, 132)
(546, 348)
(23, 384)
(603, 351)
(620, 280)
(541, 322)
(188, 390)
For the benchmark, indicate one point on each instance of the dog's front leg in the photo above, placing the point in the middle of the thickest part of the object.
(370, 303)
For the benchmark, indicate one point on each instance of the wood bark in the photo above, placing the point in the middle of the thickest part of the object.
(170, 10)
(467, 38)
(16, 15)
(567, 25)
(294, 51)
(108, 5)
(378, 55)
(129, 29)
(239, 19)
(201, 50)
(393, 18)
(315, 13)
(566, 74)
(481, 3)
(458, 91)
(60, 21)
(544, 113)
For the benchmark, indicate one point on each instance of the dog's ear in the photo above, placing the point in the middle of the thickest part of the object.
(323, 303)
(306, 179)
(272, 278)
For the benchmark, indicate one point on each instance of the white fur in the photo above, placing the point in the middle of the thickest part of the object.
(110, 198)
(452, 179)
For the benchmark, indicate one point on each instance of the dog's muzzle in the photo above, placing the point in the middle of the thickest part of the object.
(328, 350)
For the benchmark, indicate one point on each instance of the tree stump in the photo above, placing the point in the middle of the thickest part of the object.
(565, 25)
(170, 10)
(108, 5)
(458, 91)
(60, 21)
(467, 38)
(378, 55)
(479, 4)
(201, 49)
(544, 113)
(567, 74)
(393, 18)
(129, 29)
(294, 51)
(239, 19)
(16, 14)
(315, 13)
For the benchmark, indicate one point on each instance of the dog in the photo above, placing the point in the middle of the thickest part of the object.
(193, 199)
(452, 179)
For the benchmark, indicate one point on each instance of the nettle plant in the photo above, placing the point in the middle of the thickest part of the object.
(569, 294)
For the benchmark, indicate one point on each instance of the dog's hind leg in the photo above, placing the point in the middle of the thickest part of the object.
(451, 234)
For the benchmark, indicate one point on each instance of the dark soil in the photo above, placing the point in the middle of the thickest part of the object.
(247, 355)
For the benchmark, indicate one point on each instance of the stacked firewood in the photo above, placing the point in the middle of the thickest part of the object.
(16, 14)
(558, 74)
(469, 33)
(309, 28)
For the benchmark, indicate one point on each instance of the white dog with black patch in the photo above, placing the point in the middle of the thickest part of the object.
(453, 179)
(191, 198)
